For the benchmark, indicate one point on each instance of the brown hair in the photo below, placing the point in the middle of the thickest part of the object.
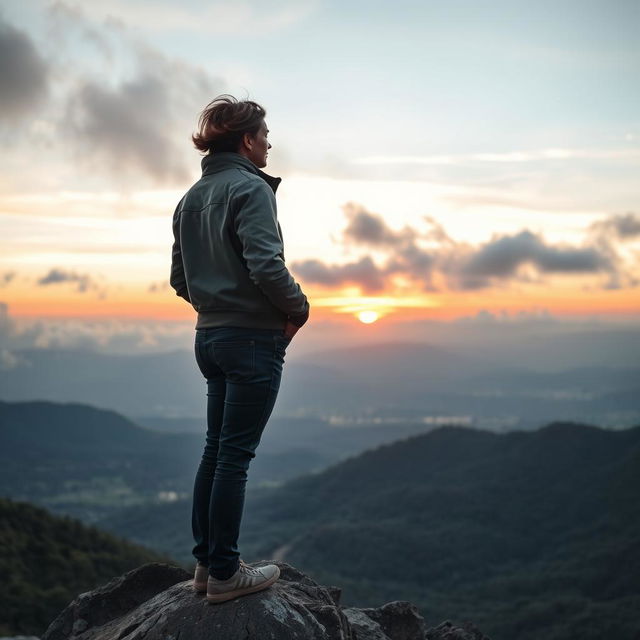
(224, 121)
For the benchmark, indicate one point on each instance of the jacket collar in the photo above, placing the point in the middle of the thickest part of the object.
(221, 160)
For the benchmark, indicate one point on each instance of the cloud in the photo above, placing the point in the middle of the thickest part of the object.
(9, 339)
(158, 287)
(130, 113)
(6, 278)
(623, 226)
(506, 157)
(85, 282)
(486, 317)
(127, 126)
(369, 229)
(143, 123)
(432, 257)
(104, 335)
(610, 235)
(6, 323)
(502, 257)
(249, 17)
(366, 228)
(68, 22)
(364, 273)
(24, 74)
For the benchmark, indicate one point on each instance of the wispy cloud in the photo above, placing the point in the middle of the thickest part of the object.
(506, 157)
(217, 18)
(107, 335)
(6, 278)
(158, 287)
(86, 284)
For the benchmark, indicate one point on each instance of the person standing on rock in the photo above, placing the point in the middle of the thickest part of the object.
(228, 263)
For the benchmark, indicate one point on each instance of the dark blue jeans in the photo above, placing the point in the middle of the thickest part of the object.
(242, 368)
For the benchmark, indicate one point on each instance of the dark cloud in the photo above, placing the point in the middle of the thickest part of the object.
(367, 228)
(363, 273)
(370, 229)
(413, 261)
(460, 266)
(24, 75)
(502, 257)
(608, 235)
(140, 125)
(122, 111)
(623, 226)
(128, 126)
(85, 282)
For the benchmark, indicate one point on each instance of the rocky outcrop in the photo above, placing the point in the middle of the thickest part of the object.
(157, 602)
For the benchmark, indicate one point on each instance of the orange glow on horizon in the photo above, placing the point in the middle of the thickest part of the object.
(137, 302)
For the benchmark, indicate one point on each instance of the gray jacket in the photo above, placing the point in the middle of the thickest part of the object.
(228, 255)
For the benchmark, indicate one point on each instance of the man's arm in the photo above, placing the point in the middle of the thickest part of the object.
(256, 224)
(177, 279)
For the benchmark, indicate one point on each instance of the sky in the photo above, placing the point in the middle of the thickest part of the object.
(441, 162)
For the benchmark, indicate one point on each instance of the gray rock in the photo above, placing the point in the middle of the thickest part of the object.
(157, 602)
(363, 627)
(94, 609)
(396, 620)
(448, 631)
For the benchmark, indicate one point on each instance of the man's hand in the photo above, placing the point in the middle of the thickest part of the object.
(290, 330)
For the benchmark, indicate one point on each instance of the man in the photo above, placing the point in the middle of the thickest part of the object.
(228, 263)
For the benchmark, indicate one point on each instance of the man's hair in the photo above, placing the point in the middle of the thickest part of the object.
(224, 121)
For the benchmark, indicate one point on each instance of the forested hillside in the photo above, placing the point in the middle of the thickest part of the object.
(46, 561)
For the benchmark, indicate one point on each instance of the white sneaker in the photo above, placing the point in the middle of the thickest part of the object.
(245, 580)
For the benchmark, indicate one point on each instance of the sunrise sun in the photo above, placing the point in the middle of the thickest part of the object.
(368, 316)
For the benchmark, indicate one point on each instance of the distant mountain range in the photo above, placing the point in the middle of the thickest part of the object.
(404, 381)
(87, 462)
(531, 535)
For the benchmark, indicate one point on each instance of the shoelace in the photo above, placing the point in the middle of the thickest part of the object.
(248, 569)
